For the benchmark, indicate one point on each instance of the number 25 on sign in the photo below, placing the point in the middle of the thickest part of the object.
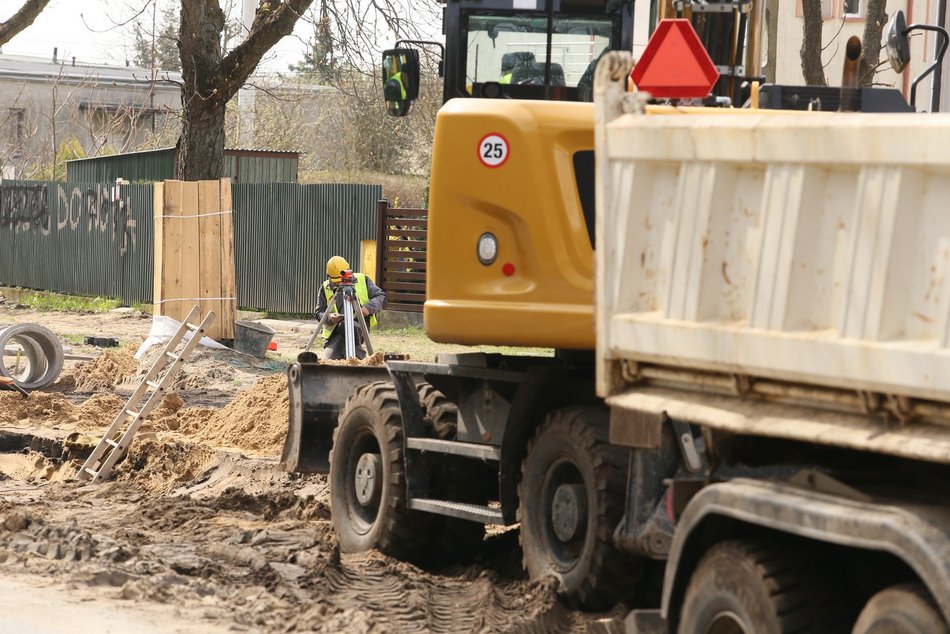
(493, 150)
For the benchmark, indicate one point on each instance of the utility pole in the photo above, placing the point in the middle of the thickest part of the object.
(246, 94)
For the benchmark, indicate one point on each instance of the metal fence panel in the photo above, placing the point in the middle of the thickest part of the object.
(284, 233)
(74, 238)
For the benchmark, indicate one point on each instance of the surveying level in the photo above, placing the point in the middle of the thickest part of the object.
(352, 315)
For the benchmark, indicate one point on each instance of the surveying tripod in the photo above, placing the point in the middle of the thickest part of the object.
(352, 315)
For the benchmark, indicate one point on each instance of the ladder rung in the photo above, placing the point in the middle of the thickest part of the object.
(132, 413)
(192, 326)
(91, 472)
(109, 441)
(173, 355)
(154, 384)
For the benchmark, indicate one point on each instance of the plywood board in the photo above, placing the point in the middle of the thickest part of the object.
(209, 244)
(190, 254)
(228, 272)
(171, 286)
(158, 205)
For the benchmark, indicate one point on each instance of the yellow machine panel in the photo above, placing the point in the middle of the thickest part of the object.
(516, 170)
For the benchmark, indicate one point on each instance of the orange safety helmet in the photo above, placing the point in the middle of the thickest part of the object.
(335, 266)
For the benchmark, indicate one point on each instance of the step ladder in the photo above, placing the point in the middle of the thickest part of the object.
(150, 391)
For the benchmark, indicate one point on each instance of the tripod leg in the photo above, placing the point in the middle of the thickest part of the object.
(364, 328)
(323, 321)
(348, 331)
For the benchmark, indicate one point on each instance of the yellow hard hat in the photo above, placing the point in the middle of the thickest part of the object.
(335, 265)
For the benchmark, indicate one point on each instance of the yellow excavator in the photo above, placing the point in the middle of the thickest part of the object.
(422, 456)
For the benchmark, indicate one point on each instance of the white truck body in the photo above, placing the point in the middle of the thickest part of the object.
(808, 253)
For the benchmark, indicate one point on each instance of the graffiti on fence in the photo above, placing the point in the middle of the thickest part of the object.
(26, 207)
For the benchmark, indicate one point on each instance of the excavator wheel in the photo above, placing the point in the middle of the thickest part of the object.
(454, 540)
(368, 480)
(571, 500)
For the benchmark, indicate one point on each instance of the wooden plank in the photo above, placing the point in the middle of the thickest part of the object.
(404, 298)
(209, 237)
(405, 264)
(158, 206)
(379, 273)
(407, 223)
(406, 286)
(395, 212)
(190, 248)
(171, 241)
(405, 253)
(405, 276)
(228, 272)
(408, 308)
(405, 233)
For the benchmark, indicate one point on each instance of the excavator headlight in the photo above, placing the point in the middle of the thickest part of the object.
(487, 248)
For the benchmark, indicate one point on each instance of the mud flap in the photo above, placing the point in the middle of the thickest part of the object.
(317, 394)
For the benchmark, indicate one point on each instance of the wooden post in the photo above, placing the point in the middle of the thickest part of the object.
(228, 271)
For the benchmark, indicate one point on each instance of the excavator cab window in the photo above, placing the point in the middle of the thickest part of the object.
(512, 50)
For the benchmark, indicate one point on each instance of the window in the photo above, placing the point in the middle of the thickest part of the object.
(513, 48)
(853, 9)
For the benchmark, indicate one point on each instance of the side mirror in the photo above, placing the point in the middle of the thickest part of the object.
(898, 44)
(400, 80)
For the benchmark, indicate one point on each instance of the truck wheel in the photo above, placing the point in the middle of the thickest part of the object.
(760, 586)
(454, 540)
(367, 477)
(906, 608)
(571, 500)
(441, 412)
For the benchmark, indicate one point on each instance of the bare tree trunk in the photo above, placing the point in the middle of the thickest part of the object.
(21, 19)
(211, 79)
(871, 42)
(810, 52)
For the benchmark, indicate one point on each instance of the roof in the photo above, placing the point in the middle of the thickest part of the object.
(263, 152)
(23, 67)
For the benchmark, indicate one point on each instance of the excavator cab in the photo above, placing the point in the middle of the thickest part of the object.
(521, 49)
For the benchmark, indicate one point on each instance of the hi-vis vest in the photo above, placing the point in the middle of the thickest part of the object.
(362, 294)
(506, 78)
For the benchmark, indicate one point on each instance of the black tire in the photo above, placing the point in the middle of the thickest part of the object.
(904, 609)
(370, 424)
(760, 587)
(571, 449)
(442, 414)
(454, 540)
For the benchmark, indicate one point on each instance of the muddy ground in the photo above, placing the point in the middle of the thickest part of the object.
(198, 530)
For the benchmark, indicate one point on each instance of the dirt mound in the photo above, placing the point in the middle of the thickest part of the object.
(210, 369)
(160, 467)
(102, 373)
(375, 360)
(39, 408)
(255, 421)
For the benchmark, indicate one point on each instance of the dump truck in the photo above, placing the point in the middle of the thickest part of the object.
(422, 456)
(772, 308)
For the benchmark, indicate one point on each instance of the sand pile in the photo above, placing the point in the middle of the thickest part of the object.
(374, 360)
(37, 409)
(255, 421)
(102, 373)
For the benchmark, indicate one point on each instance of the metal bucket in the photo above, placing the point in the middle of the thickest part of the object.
(251, 338)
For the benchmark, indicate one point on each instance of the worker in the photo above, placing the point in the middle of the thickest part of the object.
(394, 92)
(371, 297)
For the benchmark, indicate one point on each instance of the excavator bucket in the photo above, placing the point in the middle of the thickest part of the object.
(317, 394)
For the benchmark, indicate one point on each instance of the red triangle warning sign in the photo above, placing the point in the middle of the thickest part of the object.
(675, 65)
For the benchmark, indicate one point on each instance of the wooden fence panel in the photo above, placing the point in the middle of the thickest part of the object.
(401, 256)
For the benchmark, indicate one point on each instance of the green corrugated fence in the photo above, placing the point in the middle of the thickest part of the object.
(281, 247)
(74, 238)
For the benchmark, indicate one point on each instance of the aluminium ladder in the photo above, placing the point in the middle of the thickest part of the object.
(151, 390)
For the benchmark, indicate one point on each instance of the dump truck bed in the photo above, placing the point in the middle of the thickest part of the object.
(811, 248)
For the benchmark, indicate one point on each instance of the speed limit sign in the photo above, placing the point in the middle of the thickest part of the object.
(493, 150)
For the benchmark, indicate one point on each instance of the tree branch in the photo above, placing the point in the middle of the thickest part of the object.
(21, 19)
(270, 25)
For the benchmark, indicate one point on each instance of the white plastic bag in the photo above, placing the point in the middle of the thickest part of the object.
(163, 329)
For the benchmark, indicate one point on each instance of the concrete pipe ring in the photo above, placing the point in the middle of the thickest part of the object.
(42, 351)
